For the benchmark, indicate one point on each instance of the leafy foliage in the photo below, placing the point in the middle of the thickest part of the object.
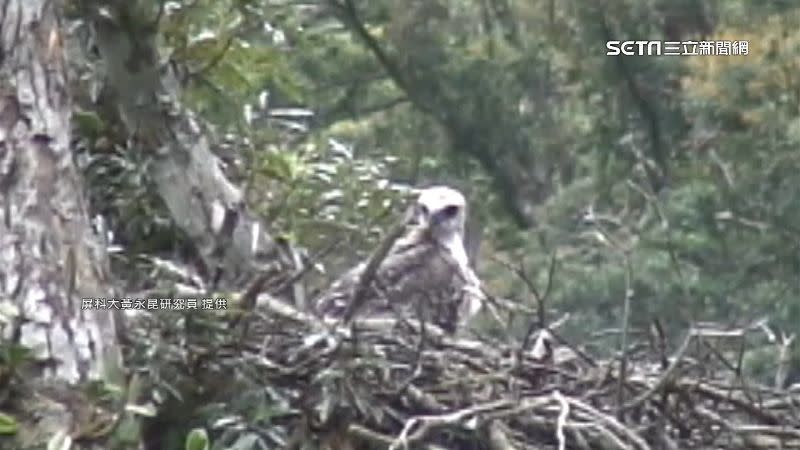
(669, 181)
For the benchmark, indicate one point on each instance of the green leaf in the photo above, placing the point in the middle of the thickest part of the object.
(8, 425)
(88, 123)
(197, 439)
(14, 355)
(283, 166)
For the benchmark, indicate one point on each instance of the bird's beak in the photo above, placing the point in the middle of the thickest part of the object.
(444, 214)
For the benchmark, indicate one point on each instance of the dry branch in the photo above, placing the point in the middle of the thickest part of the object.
(389, 388)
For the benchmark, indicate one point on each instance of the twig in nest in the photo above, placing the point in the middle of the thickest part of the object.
(306, 267)
(626, 314)
(673, 367)
(360, 294)
(678, 358)
(610, 422)
(562, 341)
(498, 439)
(426, 423)
(541, 299)
(562, 419)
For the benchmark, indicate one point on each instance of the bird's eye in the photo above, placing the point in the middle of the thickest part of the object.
(423, 210)
(450, 211)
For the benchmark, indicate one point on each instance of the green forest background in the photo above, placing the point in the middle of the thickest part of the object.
(674, 176)
(672, 181)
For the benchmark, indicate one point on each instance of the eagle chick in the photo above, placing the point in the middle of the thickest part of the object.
(426, 270)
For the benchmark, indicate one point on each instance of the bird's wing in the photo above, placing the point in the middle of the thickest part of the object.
(402, 270)
(413, 274)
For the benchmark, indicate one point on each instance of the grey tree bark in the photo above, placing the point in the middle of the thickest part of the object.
(232, 241)
(49, 257)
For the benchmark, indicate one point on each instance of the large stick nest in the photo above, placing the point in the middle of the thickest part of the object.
(398, 383)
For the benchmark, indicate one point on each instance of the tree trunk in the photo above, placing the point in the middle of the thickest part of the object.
(50, 261)
(233, 242)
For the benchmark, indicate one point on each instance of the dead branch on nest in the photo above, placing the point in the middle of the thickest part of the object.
(391, 389)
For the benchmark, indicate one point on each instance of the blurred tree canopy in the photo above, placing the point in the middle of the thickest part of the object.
(669, 181)
(680, 168)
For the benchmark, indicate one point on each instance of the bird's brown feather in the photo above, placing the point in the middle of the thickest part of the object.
(413, 275)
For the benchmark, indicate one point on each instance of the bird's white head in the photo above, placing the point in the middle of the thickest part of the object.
(441, 211)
